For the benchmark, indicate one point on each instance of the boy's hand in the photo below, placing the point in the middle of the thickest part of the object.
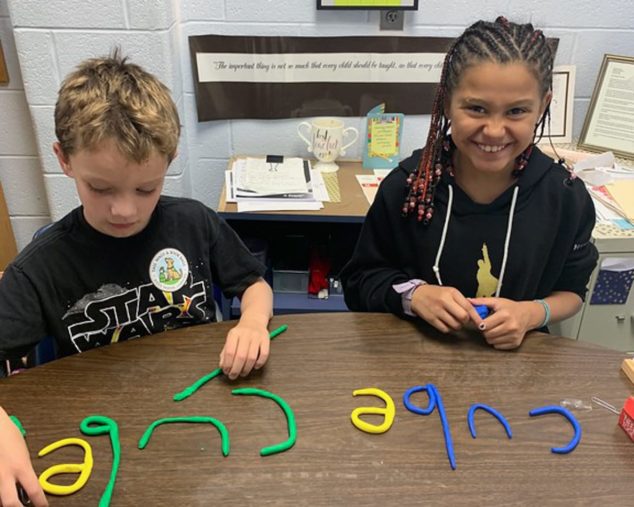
(509, 321)
(16, 468)
(247, 347)
(445, 308)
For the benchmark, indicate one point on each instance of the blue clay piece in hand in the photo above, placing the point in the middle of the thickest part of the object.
(483, 311)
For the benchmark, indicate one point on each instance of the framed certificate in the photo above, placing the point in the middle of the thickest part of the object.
(609, 123)
(561, 105)
(410, 5)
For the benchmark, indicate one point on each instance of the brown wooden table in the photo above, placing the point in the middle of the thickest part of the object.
(315, 366)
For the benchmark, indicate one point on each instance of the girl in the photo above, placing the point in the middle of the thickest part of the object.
(480, 216)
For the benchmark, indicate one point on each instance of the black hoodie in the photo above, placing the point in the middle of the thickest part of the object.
(549, 243)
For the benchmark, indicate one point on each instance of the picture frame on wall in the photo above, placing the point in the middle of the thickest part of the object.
(561, 106)
(609, 122)
(405, 5)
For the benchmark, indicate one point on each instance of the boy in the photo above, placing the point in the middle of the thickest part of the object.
(128, 262)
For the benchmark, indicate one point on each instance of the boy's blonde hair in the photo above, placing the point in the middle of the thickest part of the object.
(108, 98)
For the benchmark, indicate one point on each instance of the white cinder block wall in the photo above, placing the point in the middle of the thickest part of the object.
(53, 36)
(20, 168)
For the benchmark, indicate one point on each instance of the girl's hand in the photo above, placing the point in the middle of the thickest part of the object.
(16, 468)
(445, 308)
(509, 321)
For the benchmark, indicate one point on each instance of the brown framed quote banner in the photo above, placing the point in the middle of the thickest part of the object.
(286, 77)
(609, 123)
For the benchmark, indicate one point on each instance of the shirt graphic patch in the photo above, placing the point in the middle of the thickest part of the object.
(487, 283)
(169, 270)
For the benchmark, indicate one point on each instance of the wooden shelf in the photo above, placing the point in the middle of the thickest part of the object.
(352, 208)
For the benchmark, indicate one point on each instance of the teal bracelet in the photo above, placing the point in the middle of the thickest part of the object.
(546, 311)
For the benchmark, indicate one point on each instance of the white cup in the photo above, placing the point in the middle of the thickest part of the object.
(326, 141)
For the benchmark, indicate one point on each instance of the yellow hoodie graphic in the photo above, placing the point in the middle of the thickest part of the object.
(487, 283)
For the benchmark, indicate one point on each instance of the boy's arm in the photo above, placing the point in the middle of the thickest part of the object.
(248, 343)
(15, 467)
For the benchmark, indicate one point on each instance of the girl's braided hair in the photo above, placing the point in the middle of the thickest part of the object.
(501, 42)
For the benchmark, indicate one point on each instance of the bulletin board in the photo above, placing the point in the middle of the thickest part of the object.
(8, 248)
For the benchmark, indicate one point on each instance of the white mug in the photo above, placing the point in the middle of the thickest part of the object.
(326, 141)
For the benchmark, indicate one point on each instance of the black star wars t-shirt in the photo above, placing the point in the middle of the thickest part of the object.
(88, 289)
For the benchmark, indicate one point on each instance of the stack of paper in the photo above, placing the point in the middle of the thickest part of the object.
(600, 194)
(611, 186)
(290, 184)
(370, 183)
(622, 191)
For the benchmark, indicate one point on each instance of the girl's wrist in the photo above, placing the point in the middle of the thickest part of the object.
(542, 314)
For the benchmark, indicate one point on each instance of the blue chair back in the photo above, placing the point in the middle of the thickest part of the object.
(46, 350)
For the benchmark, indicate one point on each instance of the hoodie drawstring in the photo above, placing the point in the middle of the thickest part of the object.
(507, 240)
(436, 266)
